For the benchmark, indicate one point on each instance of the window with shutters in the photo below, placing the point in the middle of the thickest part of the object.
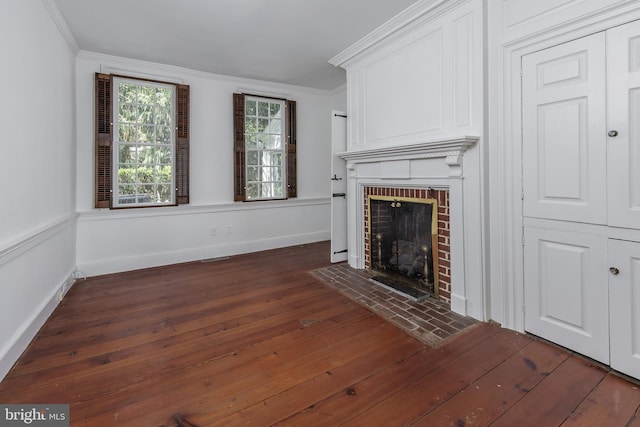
(265, 148)
(142, 144)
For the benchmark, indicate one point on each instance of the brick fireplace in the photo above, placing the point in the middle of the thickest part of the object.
(447, 170)
(442, 255)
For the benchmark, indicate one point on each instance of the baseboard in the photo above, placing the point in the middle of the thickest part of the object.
(116, 265)
(20, 340)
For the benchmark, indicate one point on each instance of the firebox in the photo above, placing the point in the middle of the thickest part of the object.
(403, 244)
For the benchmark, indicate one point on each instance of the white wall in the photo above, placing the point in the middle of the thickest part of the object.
(137, 238)
(37, 169)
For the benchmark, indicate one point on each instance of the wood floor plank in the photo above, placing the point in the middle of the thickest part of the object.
(306, 394)
(614, 401)
(374, 391)
(486, 399)
(556, 397)
(429, 391)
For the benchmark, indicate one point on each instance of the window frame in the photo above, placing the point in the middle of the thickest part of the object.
(104, 145)
(240, 148)
(116, 203)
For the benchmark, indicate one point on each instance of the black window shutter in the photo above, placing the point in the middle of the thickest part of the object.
(239, 179)
(290, 126)
(103, 140)
(182, 144)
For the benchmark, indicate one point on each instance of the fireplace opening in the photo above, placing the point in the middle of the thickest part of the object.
(403, 244)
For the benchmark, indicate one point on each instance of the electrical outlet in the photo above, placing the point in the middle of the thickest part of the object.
(228, 229)
(212, 231)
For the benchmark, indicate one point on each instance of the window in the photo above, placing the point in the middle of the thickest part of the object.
(142, 154)
(265, 148)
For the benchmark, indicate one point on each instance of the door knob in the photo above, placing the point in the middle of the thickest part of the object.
(614, 271)
(613, 133)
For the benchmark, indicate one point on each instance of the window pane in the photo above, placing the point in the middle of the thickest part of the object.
(127, 113)
(145, 114)
(250, 125)
(163, 135)
(163, 116)
(163, 97)
(146, 94)
(147, 133)
(263, 125)
(263, 141)
(253, 173)
(263, 109)
(276, 142)
(275, 110)
(163, 193)
(126, 133)
(127, 175)
(163, 155)
(250, 108)
(271, 158)
(252, 158)
(252, 190)
(275, 126)
(127, 93)
(252, 141)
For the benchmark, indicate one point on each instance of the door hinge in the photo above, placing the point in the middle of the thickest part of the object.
(524, 309)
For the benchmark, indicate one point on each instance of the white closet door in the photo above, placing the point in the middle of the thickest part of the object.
(564, 132)
(338, 187)
(624, 300)
(566, 290)
(623, 98)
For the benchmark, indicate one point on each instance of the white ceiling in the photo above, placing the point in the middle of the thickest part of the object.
(284, 41)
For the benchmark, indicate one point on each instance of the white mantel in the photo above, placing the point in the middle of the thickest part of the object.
(437, 164)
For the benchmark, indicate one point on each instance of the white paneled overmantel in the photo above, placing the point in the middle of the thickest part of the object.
(421, 81)
(414, 94)
(447, 164)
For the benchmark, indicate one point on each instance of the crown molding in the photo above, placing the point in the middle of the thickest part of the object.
(415, 15)
(62, 25)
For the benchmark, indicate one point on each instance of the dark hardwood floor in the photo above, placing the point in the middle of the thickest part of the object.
(256, 340)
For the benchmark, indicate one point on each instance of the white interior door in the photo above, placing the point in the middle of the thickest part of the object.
(623, 99)
(624, 300)
(338, 187)
(564, 132)
(566, 290)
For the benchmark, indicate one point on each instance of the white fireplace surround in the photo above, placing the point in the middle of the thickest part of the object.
(436, 164)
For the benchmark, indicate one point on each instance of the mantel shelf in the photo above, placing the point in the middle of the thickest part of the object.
(435, 148)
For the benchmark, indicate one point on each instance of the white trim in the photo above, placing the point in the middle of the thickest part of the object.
(467, 278)
(21, 338)
(449, 147)
(62, 25)
(156, 259)
(120, 214)
(36, 238)
(139, 66)
(415, 15)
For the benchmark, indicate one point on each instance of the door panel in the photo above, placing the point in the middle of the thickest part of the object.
(624, 301)
(564, 151)
(623, 98)
(566, 289)
(338, 187)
